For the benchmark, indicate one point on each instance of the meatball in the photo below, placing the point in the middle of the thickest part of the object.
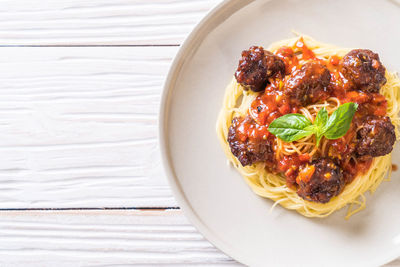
(256, 66)
(320, 181)
(248, 151)
(376, 137)
(308, 84)
(363, 68)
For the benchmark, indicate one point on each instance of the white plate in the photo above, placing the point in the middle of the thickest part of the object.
(212, 194)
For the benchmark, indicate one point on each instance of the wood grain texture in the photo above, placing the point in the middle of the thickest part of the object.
(112, 238)
(104, 22)
(78, 127)
(96, 238)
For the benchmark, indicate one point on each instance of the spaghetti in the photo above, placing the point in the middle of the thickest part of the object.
(237, 102)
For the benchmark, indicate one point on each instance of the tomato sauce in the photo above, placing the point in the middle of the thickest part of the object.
(351, 169)
(289, 166)
(394, 167)
(273, 103)
(306, 53)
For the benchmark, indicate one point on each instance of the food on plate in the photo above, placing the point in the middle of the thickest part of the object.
(310, 125)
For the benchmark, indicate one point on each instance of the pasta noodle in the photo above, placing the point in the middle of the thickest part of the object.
(237, 102)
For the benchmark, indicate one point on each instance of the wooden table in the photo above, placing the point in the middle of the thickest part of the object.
(81, 178)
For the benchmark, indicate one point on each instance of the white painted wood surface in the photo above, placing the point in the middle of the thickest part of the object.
(98, 238)
(112, 238)
(88, 22)
(78, 129)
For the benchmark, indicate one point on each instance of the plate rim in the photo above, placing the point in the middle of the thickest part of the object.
(180, 197)
(172, 178)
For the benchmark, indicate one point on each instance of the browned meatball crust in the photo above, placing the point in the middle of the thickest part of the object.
(325, 182)
(248, 151)
(376, 137)
(256, 66)
(306, 84)
(363, 68)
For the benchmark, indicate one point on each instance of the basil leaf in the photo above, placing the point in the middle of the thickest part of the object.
(339, 122)
(320, 121)
(300, 134)
(322, 118)
(291, 127)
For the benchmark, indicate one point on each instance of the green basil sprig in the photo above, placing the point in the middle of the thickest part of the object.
(292, 127)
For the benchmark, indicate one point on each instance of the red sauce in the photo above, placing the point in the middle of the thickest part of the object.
(289, 166)
(352, 169)
(343, 146)
(334, 60)
(288, 56)
(394, 167)
(306, 53)
(253, 131)
(272, 104)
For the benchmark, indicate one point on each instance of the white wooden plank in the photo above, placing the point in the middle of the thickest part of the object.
(77, 22)
(98, 238)
(78, 127)
(105, 238)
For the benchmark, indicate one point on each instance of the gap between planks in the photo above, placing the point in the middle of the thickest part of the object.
(114, 238)
(93, 209)
(98, 238)
(94, 45)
